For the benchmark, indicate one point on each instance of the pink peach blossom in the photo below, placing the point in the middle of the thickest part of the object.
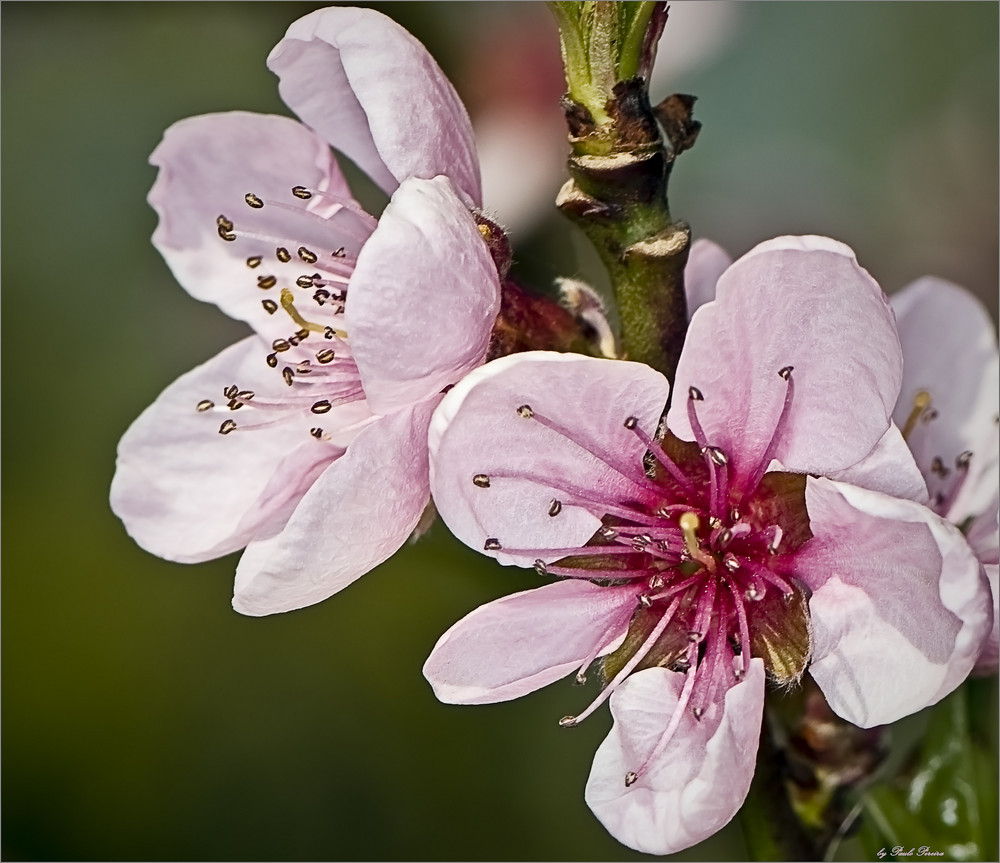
(305, 442)
(948, 407)
(774, 522)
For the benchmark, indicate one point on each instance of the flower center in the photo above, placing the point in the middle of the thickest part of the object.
(298, 255)
(709, 554)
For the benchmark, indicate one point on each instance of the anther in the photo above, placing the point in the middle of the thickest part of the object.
(962, 462)
(608, 532)
(631, 778)
(656, 582)
(580, 678)
(695, 394)
(567, 722)
(717, 455)
(307, 256)
(272, 361)
(205, 405)
(266, 282)
(301, 192)
(226, 229)
(937, 466)
(730, 562)
(540, 567)
(492, 544)
(270, 306)
(698, 712)
(304, 368)
(245, 395)
(695, 637)
(227, 427)
(555, 507)
(254, 261)
(321, 407)
(282, 254)
(481, 480)
(525, 412)
(785, 373)
(725, 537)
(316, 432)
(631, 423)
(281, 345)
(253, 201)
(304, 281)
(325, 356)
(715, 522)
(645, 600)
(230, 391)
(288, 375)
(339, 253)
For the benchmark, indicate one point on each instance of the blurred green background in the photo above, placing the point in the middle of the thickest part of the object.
(143, 718)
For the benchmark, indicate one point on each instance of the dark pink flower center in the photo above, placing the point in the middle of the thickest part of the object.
(709, 553)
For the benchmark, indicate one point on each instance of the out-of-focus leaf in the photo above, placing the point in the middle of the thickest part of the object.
(945, 801)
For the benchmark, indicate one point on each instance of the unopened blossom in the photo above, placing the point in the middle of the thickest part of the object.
(773, 524)
(947, 409)
(305, 442)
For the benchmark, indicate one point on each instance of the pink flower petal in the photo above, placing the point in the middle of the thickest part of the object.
(375, 94)
(802, 302)
(702, 777)
(207, 166)
(527, 640)
(889, 468)
(358, 513)
(989, 653)
(189, 494)
(423, 297)
(900, 604)
(950, 351)
(477, 432)
(706, 263)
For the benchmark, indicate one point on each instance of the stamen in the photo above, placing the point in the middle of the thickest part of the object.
(626, 669)
(633, 775)
(751, 481)
(694, 395)
(921, 401)
(658, 453)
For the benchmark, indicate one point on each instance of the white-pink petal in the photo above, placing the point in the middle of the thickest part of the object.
(707, 261)
(354, 516)
(478, 432)
(423, 297)
(802, 302)
(701, 778)
(376, 94)
(186, 492)
(207, 166)
(900, 605)
(889, 468)
(950, 351)
(515, 645)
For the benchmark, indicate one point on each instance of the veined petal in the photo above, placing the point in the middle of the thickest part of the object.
(950, 352)
(527, 640)
(376, 94)
(802, 302)
(707, 261)
(189, 494)
(423, 297)
(208, 165)
(356, 514)
(478, 433)
(900, 605)
(699, 781)
(889, 468)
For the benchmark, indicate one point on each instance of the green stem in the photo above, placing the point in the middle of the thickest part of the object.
(771, 829)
